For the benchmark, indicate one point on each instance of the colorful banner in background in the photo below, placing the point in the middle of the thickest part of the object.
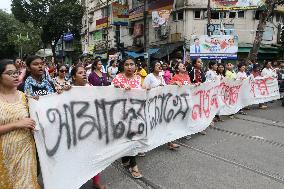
(214, 47)
(236, 4)
(120, 14)
(136, 13)
(101, 23)
(157, 5)
(160, 18)
(86, 129)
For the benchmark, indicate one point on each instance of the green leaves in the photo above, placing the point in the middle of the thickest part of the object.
(15, 35)
(54, 17)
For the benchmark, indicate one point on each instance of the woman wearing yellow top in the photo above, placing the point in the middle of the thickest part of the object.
(17, 148)
(141, 71)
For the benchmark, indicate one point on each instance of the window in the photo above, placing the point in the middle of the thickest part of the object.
(278, 18)
(241, 14)
(174, 16)
(178, 15)
(256, 15)
(215, 15)
(232, 14)
(197, 14)
(223, 15)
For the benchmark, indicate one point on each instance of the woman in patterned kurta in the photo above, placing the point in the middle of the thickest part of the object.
(17, 148)
(128, 80)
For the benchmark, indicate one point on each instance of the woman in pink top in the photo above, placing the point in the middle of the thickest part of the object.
(166, 73)
(128, 80)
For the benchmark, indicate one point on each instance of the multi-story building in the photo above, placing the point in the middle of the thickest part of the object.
(188, 17)
(98, 33)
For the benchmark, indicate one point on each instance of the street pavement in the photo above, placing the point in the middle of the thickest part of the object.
(243, 153)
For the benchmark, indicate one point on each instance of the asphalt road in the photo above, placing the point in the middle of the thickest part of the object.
(243, 153)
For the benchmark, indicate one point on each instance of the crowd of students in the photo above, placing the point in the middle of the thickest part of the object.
(32, 78)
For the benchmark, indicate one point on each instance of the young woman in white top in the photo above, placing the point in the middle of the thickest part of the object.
(112, 70)
(241, 75)
(268, 71)
(211, 74)
(155, 79)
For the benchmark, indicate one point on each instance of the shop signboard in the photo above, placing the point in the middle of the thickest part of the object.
(236, 4)
(120, 14)
(214, 47)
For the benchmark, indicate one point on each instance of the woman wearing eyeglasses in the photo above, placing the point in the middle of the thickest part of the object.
(18, 168)
(61, 82)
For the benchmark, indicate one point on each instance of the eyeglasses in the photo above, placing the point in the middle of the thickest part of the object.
(13, 73)
(62, 71)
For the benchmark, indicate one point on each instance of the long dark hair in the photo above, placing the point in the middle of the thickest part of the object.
(224, 71)
(121, 64)
(95, 64)
(4, 63)
(75, 69)
(30, 59)
(153, 64)
(176, 67)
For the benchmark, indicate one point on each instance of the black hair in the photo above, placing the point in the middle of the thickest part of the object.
(153, 64)
(241, 65)
(211, 64)
(224, 72)
(75, 69)
(60, 66)
(255, 66)
(176, 67)
(31, 58)
(4, 63)
(121, 64)
(95, 64)
(265, 64)
(196, 39)
(111, 62)
(194, 61)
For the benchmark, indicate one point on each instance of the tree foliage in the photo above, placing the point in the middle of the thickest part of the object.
(15, 35)
(269, 8)
(54, 17)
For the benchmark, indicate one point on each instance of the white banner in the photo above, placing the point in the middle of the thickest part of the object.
(84, 130)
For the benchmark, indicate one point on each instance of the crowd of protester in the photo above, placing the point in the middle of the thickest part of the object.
(33, 77)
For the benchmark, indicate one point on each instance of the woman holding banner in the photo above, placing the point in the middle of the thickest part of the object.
(18, 168)
(128, 80)
(79, 78)
(155, 79)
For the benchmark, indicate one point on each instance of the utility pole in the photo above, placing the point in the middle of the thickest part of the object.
(107, 28)
(208, 17)
(145, 33)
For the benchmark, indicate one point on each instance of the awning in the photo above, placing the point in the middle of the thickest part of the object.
(167, 49)
(261, 50)
(136, 55)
